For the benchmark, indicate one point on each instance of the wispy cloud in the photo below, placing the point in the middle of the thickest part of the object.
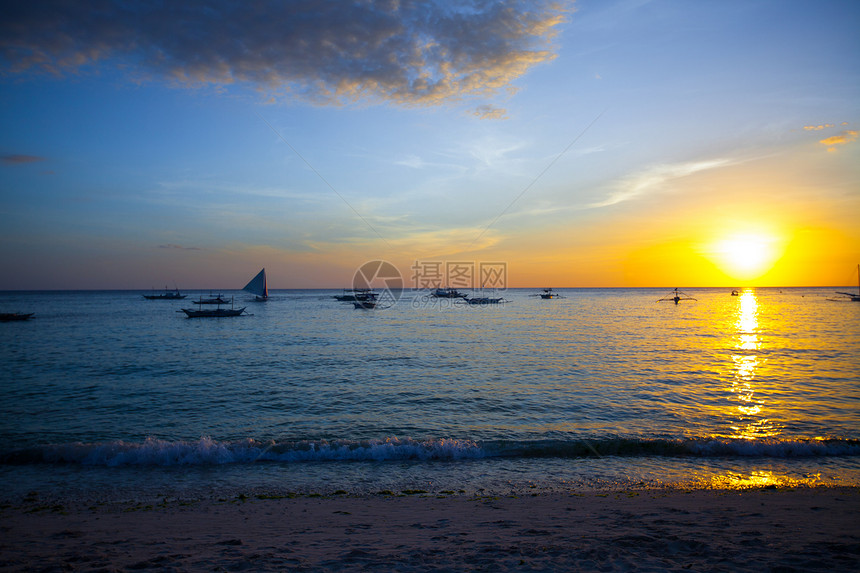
(655, 178)
(844, 138)
(817, 127)
(17, 159)
(410, 53)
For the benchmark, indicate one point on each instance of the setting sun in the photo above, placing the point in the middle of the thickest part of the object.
(746, 256)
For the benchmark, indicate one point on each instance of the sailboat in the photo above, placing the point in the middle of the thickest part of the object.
(258, 287)
(854, 297)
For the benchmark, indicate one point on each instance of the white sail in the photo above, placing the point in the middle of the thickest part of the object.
(258, 286)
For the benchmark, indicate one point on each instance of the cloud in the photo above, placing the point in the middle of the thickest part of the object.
(490, 112)
(844, 138)
(653, 178)
(817, 127)
(329, 51)
(17, 159)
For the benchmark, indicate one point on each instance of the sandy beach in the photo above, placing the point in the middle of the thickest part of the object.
(804, 529)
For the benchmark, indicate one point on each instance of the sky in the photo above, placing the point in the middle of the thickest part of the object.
(611, 143)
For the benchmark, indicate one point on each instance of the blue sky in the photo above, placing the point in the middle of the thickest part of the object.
(587, 143)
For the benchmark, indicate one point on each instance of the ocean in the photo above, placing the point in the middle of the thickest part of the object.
(107, 395)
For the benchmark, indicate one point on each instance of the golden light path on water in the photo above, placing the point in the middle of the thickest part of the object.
(749, 404)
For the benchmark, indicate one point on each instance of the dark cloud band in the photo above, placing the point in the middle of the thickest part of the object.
(406, 52)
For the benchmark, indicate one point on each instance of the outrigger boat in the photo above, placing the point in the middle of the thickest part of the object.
(258, 287)
(485, 300)
(357, 295)
(853, 297)
(213, 312)
(447, 293)
(213, 300)
(548, 293)
(12, 316)
(677, 296)
(166, 295)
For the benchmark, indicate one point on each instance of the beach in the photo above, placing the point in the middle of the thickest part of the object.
(770, 529)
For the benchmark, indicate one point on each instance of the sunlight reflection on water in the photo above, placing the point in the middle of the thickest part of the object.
(749, 402)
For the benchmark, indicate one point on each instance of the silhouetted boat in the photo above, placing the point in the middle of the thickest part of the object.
(213, 312)
(735, 293)
(12, 316)
(365, 304)
(447, 293)
(854, 297)
(356, 295)
(258, 287)
(677, 296)
(548, 293)
(482, 300)
(166, 295)
(212, 300)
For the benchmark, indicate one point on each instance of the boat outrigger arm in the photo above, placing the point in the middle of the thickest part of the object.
(677, 296)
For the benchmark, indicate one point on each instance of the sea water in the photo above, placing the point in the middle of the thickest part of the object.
(106, 394)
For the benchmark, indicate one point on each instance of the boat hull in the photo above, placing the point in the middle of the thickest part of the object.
(164, 296)
(447, 293)
(216, 313)
(14, 316)
(484, 300)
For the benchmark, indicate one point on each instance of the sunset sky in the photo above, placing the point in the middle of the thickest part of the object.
(590, 143)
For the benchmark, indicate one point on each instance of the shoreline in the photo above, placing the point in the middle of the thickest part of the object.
(808, 529)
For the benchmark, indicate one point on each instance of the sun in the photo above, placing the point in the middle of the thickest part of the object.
(747, 255)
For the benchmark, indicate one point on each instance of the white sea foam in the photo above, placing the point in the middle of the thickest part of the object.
(207, 451)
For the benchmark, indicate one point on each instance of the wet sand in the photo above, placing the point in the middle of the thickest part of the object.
(804, 529)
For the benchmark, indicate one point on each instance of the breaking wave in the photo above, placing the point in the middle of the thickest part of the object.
(207, 451)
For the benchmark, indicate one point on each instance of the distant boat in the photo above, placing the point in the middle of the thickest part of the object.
(482, 300)
(213, 312)
(166, 295)
(854, 297)
(548, 293)
(447, 293)
(485, 300)
(677, 296)
(258, 287)
(356, 295)
(212, 300)
(11, 316)
(735, 293)
(365, 304)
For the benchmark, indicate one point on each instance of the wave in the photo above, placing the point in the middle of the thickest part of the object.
(206, 451)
